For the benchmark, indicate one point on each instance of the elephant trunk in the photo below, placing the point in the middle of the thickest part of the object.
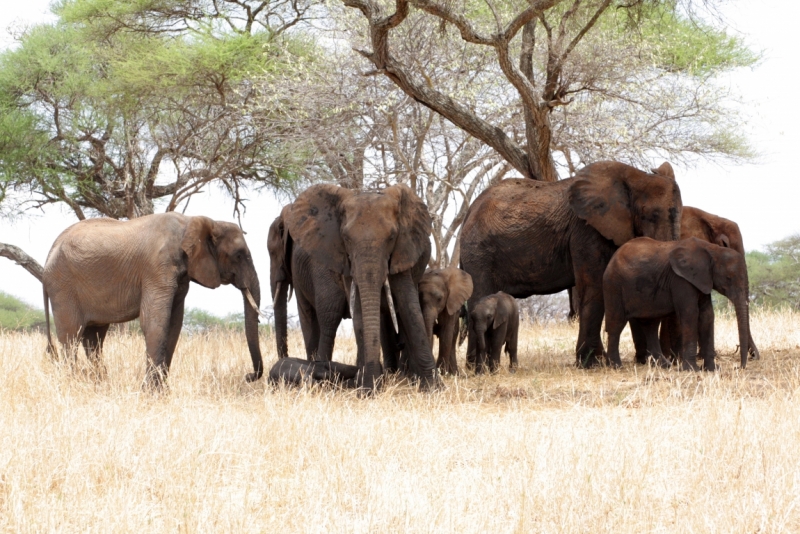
(251, 323)
(742, 308)
(281, 318)
(429, 315)
(370, 285)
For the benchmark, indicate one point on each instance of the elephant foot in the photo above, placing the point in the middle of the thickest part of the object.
(642, 359)
(659, 361)
(431, 383)
(689, 365)
(252, 377)
(587, 361)
(512, 370)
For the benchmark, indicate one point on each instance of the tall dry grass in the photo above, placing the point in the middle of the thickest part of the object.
(549, 449)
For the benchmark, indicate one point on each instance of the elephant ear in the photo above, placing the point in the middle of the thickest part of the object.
(694, 265)
(603, 202)
(460, 289)
(198, 244)
(501, 313)
(723, 241)
(314, 221)
(665, 169)
(414, 229)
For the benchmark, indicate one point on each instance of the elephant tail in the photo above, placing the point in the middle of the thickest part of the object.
(51, 349)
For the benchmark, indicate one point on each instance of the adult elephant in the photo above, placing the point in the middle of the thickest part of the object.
(527, 237)
(373, 240)
(711, 229)
(103, 271)
(321, 298)
(442, 292)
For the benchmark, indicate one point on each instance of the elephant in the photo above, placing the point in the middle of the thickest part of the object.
(103, 271)
(321, 298)
(442, 292)
(373, 241)
(494, 322)
(713, 229)
(528, 237)
(648, 279)
(298, 372)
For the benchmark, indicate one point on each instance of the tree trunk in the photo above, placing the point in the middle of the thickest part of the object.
(22, 259)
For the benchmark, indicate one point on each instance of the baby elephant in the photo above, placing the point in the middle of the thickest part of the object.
(298, 372)
(495, 322)
(648, 279)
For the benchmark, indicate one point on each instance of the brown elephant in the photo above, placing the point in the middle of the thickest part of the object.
(103, 271)
(712, 229)
(494, 322)
(442, 292)
(527, 237)
(373, 240)
(648, 279)
(321, 298)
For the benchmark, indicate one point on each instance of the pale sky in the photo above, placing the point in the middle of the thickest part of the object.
(763, 197)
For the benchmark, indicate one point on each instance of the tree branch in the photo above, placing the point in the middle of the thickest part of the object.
(22, 259)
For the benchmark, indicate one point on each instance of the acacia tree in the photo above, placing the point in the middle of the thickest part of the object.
(587, 77)
(118, 105)
(446, 121)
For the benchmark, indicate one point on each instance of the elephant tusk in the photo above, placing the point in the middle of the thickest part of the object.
(277, 292)
(353, 299)
(252, 302)
(391, 305)
(291, 291)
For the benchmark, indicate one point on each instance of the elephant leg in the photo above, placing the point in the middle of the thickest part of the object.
(639, 341)
(650, 331)
(447, 348)
(409, 313)
(589, 349)
(93, 339)
(328, 324)
(308, 325)
(705, 331)
(688, 321)
(511, 349)
(69, 330)
(156, 320)
(496, 343)
(670, 337)
(389, 345)
(175, 322)
(614, 326)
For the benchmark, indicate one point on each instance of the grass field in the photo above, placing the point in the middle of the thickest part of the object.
(549, 449)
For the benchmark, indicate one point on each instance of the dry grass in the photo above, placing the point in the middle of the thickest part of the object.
(550, 449)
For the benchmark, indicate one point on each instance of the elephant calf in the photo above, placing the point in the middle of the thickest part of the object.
(648, 279)
(494, 321)
(298, 372)
(442, 292)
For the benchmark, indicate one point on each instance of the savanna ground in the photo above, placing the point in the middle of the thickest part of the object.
(551, 448)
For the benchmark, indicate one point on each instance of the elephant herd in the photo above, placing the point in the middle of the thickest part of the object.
(617, 236)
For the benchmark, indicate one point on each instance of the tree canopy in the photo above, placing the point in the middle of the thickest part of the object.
(775, 274)
(113, 108)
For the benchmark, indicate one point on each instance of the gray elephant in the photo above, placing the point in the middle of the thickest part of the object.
(648, 279)
(528, 237)
(375, 241)
(299, 372)
(321, 298)
(442, 292)
(494, 323)
(712, 229)
(103, 271)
